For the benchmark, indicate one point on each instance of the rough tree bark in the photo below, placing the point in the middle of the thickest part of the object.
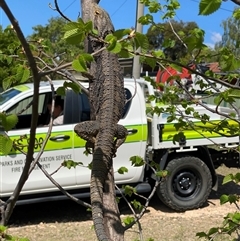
(107, 98)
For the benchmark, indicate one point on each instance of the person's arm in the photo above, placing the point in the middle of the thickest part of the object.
(58, 120)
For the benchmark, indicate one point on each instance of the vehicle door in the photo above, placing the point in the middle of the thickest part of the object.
(78, 111)
(134, 145)
(134, 119)
(58, 149)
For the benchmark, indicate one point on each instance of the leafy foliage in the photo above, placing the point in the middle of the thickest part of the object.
(10, 49)
(176, 100)
(6, 237)
(128, 220)
(8, 121)
(122, 170)
(209, 7)
(231, 223)
(53, 36)
(70, 163)
(137, 161)
(162, 37)
(229, 44)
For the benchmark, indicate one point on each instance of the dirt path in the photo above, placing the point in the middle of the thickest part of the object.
(65, 220)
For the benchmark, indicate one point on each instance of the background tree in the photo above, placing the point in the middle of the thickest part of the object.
(231, 35)
(9, 46)
(161, 36)
(53, 33)
(171, 96)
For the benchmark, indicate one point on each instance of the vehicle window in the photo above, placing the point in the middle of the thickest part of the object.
(24, 111)
(4, 97)
(128, 97)
(86, 106)
(77, 107)
(23, 107)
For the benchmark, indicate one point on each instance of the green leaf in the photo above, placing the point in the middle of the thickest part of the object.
(236, 13)
(176, 67)
(129, 190)
(7, 82)
(116, 49)
(87, 57)
(5, 144)
(61, 91)
(141, 41)
(137, 161)
(2, 228)
(212, 231)
(9, 121)
(23, 74)
(124, 54)
(224, 199)
(79, 65)
(151, 62)
(207, 7)
(158, 54)
(201, 235)
(74, 36)
(237, 177)
(179, 137)
(70, 163)
(73, 25)
(236, 217)
(228, 178)
(233, 198)
(74, 86)
(128, 220)
(217, 100)
(88, 27)
(146, 19)
(235, 93)
(136, 204)
(120, 33)
(162, 173)
(90, 166)
(122, 170)
(113, 45)
(9, 60)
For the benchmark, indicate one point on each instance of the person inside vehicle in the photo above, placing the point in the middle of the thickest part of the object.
(58, 110)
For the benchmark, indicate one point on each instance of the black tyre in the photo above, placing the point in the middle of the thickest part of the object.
(188, 184)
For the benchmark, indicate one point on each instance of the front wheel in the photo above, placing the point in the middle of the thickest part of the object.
(187, 185)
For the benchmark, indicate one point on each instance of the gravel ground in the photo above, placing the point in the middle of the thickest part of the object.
(65, 220)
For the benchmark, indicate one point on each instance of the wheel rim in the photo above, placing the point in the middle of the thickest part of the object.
(186, 184)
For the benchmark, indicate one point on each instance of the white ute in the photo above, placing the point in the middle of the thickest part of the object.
(191, 163)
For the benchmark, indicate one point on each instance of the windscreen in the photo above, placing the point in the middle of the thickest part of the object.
(7, 95)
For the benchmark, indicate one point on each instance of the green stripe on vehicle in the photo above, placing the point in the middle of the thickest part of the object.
(21, 88)
(51, 145)
(198, 133)
(140, 135)
(55, 143)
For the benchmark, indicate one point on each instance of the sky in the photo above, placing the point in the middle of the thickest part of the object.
(30, 13)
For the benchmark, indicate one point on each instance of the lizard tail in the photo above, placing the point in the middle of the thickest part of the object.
(98, 177)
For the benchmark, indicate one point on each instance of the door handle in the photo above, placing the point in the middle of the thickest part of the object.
(132, 131)
(59, 138)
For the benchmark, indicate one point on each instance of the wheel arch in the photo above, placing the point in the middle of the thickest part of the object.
(202, 153)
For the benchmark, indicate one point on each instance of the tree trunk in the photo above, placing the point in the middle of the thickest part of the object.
(112, 220)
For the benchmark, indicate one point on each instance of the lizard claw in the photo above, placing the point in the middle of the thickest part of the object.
(89, 146)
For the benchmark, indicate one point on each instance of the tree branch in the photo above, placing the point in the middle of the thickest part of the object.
(236, 2)
(36, 79)
(78, 201)
(58, 10)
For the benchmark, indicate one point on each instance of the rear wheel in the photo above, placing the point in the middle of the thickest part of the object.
(188, 184)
